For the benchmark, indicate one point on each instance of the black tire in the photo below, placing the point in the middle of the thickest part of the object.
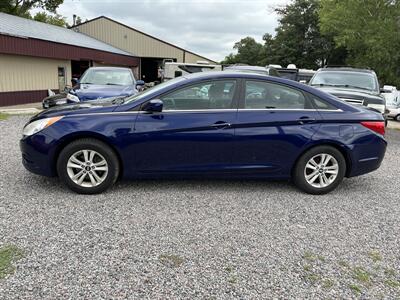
(88, 144)
(299, 177)
(397, 118)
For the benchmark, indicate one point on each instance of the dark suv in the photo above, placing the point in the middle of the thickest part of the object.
(356, 86)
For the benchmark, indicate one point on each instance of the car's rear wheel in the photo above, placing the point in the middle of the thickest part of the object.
(397, 118)
(320, 170)
(88, 166)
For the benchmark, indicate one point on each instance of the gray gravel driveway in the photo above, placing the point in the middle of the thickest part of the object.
(199, 239)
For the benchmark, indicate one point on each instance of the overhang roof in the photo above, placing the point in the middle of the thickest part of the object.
(24, 28)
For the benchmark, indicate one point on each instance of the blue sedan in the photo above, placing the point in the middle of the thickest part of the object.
(217, 124)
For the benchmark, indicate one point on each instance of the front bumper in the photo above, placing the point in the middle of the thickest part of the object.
(37, 154)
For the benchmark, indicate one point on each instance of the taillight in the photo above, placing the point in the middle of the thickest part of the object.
(376, 126)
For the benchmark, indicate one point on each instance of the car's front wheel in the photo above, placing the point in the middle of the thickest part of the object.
(320, 170)
(397, 118)
(88, 166)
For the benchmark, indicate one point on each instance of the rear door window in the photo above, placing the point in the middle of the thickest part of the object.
(266, 95)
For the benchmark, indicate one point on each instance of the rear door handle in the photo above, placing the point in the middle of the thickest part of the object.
(220, 125)
(305, 120)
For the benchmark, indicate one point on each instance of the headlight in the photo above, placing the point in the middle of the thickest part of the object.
(38, 125)
(72, 98)
(378, 107)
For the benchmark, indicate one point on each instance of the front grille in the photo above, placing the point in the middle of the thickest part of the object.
(354, 101)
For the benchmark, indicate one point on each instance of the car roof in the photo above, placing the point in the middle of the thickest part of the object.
(346, 69)
(109, 68)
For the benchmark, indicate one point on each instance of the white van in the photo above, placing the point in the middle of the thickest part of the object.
(172, 70)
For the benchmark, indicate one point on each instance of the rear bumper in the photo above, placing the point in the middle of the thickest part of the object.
(37, 154)
(367, 157)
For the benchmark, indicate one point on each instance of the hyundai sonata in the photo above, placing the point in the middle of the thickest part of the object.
(217, 124)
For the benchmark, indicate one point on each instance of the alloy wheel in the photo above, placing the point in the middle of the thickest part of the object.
(87, 168)
(321, 170)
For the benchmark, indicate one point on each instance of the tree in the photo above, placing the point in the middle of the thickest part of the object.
(51, 19)
(298, 40)
(249, 51)
(369, 30)
(22, 7)
(298, 37)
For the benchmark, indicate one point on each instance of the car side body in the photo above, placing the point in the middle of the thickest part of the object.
(223, 142)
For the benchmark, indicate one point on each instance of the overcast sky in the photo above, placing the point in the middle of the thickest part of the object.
(207, 27)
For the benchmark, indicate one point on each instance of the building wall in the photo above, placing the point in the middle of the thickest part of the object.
(134, 42)
(25, 73)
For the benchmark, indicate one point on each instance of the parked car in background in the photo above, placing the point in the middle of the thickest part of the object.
(104, 82)
(221, 124)
(55, 99)
(293, 73)
(355, 86)
(172, 70)
(391, 95)
(394, 111)
(254, 69)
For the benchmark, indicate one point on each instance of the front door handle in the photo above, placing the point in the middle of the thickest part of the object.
(220, 125)
(305, 120)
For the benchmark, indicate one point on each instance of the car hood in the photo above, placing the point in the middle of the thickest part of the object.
(100, 106)
(87, 92)
(358, 95)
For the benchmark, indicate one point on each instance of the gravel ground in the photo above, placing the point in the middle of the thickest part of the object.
(199, 239)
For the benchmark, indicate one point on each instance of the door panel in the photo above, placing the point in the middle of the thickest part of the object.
(184, 142)
(273, 126)
(193, 133)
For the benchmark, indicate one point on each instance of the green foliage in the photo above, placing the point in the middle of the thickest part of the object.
(8, 255)
(369, 30)
(248, 52)
(51, 19)
(22, 7)
(298, 40)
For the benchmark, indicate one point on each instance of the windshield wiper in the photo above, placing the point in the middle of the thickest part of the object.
(109, 83)
(86, 82)
(323, 84)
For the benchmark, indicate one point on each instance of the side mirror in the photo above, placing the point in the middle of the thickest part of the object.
(155, 105)
(139, 82)
(74, 81)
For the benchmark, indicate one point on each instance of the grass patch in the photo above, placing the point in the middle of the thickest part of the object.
(361, 275)
(307, 268)
(390, 272)
(328, 283)
(312, 278)
(8, 255)
(171, 260)
(392, 283)
(313, 257)
(343, 264)
(375, 256)
(3, 116)
(355, 288)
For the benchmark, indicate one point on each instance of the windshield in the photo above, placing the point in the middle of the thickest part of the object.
(107, 77)
(154, 89)
(346, 79)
